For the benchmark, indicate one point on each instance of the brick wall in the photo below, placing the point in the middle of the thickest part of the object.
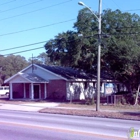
(56, 89)
(18, 90)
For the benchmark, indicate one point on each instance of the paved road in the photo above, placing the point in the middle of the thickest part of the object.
(18, 125)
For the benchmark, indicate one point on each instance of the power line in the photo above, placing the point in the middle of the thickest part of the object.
(31, 45)
(66, 42)
(22, 46)
(34, 48)
(37, 27)
(116, 4)
(8, 2)
(20, 6)
(56, 24)
(128, 27)
(133, 33)
(132, 10)
(24, 51)
(35, 10)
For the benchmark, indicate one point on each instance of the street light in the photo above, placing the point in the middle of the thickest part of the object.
(99, 51)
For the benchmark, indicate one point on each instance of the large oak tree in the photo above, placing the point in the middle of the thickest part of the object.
(120, 52)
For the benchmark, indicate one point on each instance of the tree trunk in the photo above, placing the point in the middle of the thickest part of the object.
(137, 95)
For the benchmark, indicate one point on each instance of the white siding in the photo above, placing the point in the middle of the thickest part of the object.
(76, 90)
(18, 79)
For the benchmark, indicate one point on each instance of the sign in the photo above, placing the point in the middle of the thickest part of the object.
(133, 134)
(109, 88)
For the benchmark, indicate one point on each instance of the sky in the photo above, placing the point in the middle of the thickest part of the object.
(26, 25)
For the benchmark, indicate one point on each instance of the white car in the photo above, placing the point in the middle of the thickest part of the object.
(4, 90)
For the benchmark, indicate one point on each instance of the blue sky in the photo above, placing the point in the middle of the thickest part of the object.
(24, 22)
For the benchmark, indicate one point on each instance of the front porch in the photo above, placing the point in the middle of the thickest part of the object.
(31, 91)
(27, 86)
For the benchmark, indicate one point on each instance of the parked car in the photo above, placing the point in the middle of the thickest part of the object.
(4, 90)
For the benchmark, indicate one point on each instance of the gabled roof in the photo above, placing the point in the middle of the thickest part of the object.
(33, 78)
(66, 72)
(30, 77)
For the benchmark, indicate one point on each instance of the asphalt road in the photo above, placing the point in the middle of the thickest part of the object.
(16, 125)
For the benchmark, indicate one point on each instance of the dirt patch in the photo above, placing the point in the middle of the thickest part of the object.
(92, 113)
(110, 107)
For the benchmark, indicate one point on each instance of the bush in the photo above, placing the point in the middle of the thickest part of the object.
(126, 98)
(129, 98)
(122, 93)
(90, 101)
(123, 100)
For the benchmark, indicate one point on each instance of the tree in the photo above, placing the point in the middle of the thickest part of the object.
(70, 49)
(41, 59)
(120, 53)
(10, 65)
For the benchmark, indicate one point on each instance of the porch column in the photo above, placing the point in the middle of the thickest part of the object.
(32, 91)
(40, 91)
(24, 90)
(11, 91)
(105, 88)
(45, 91)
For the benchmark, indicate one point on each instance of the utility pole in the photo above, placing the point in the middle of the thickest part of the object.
(99, 51)
(99, 58)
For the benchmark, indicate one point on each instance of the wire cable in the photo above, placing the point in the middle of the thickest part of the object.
(35, 10)
(20, 6)
(66, 42)
(23, 51)
(35, 28)
(116, 4)
(132, 10)
(8, 2)
(22, 46)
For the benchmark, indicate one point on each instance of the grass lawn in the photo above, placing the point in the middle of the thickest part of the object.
(77, 108)
(113, 108)
(127, 112)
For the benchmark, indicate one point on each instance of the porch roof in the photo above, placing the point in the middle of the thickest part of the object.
(33, 78)
(26, 78)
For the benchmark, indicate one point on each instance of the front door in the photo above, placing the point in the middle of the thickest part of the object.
(36, 91)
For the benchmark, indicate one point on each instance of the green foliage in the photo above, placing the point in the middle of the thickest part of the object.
(10, 65)
(68, 49)
(40, 59)
(120, 53)
(129, 99)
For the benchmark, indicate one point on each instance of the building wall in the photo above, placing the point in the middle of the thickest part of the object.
(56, 89)
(18, 90)
(80, 90)
(27, 88)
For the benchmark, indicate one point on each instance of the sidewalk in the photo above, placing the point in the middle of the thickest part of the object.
(27, 106)
(37, 106)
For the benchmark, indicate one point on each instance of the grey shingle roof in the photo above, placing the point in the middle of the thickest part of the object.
(66, 72)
